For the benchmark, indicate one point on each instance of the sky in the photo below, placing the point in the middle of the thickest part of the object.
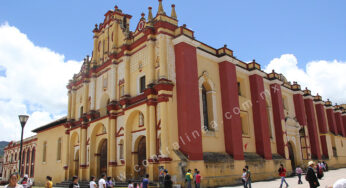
(42, 43)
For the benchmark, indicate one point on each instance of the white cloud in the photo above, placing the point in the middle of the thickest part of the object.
(327, 78)
(33, 82)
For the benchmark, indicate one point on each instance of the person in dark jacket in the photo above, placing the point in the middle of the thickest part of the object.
(167, 179)
(311, 176)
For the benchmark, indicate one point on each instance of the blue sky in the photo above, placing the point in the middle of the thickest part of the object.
(261, 30)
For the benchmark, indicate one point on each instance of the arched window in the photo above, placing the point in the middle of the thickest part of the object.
(208, 108)
(121, 150)
(44, 157)
(81, 111)
(205, 108)
(27, 161)
(58, 157)
(32, 162)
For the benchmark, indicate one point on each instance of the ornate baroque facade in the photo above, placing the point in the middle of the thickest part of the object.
(157, 97)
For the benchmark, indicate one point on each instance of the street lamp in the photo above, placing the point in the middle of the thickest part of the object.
(23, 119)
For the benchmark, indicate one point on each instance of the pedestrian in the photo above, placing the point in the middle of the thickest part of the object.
(92, 183)
(135, 185)
(74, 183)
(248, 177)
(130, 185)
(12, 181)
(311, 176)
(243, 178)
(299, 172)
(194, 176)
(109, 183)
(28, 181)
(145, 181)
(319, 171)
(198, 180)
(102, 181)
(167, 179)
(282, 174)
(188, 178)
(25, 182)
(49, 183)
(325, 166)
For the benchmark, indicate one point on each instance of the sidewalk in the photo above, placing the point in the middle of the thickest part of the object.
(327, 181)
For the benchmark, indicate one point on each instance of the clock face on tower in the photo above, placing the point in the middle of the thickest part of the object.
(141, 25)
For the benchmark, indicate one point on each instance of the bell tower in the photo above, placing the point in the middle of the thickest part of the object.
(110, 35)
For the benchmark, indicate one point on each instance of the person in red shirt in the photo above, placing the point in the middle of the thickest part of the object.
(198, 180)
(282, 174)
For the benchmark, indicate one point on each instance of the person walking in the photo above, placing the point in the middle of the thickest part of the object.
(145, 181)
(102, 181)
(92, 183)
(167, 182)
(49, 183)
(194, 176)
(74, 183)
(109, 183)
(188, 178)
(243, 178)
(25, 182)
(28, 181)
(13, 179)
(282, 174)
(248, 177)
(198, 180)
(311, 176)
(319, 171)
(299, 172)
(130, 185)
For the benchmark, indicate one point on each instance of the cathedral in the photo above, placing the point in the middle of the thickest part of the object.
(158, 98)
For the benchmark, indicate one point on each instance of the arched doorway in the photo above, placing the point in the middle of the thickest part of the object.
(291, 156)
(76, 163)
(103, 157)
(142, 151)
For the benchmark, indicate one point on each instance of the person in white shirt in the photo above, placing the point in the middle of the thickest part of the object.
(92, 183)
(243, 177)
(102, 181)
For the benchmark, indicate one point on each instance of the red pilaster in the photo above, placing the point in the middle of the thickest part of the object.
(313, 135)
(260, 116)
(278, 112)
(322, 125)
(300, 109)
(339, 123)
(230, 104)
(344, 121)
(331, 121)
(189, 121)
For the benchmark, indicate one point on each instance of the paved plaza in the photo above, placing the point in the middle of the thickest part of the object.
(327, 181)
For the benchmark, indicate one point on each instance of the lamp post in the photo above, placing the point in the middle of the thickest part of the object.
(23, 119)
